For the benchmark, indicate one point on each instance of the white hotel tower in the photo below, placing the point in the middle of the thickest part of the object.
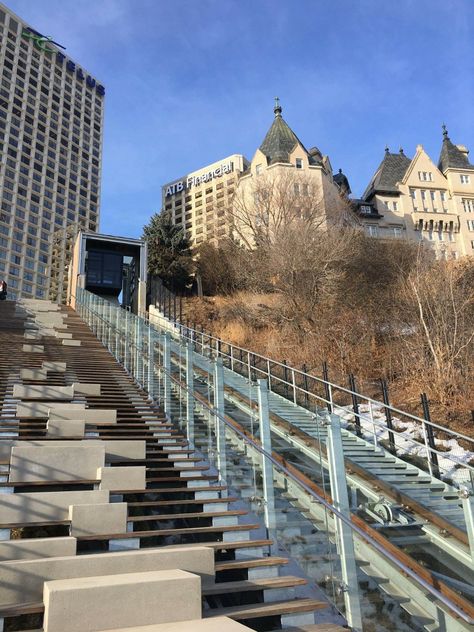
(51, 128)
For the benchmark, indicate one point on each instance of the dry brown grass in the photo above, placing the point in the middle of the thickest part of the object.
(254, 321)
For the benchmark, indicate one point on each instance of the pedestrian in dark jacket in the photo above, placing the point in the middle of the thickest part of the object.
(3, 290)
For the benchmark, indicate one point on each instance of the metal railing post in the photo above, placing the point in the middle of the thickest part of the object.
(429, 438)
(337, 475)
(151, 362)
(189, 392)
(167, 374)
(372, 421)
(219, 419)
(285, 379)
(293, 380)
(94, 315)
(355, 403)
(468, 508)
(101, 309)
(126, 350)
(138, 350)
(117, 334)
(327, 387)
(253, 367)
(267, 466)
(109, 327)
(388, 416)
(305, 386)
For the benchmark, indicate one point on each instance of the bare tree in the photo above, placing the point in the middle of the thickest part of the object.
(308, 265)
(439, 297)
(265, 205)
(298, 231)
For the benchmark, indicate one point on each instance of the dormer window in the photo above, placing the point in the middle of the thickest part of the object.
(465, 179)
(425, 176)
(299, 163)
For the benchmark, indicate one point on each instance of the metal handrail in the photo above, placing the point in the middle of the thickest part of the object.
(216, 344)
(317, 379)
(316, 497)
(193, 335)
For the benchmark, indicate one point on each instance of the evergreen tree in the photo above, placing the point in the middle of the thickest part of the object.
(169, 254)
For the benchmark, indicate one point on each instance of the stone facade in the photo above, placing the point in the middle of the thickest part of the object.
(422, 201)
(285, 180)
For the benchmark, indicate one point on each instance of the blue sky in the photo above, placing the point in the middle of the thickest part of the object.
(191, 81)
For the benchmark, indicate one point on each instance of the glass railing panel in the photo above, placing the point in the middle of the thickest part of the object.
(302, 525)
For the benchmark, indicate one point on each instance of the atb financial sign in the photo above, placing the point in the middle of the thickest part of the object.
(193, 181)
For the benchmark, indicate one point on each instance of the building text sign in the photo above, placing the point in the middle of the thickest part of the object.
(193, 181)
(41, 43)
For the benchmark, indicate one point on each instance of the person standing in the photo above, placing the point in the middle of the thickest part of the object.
(3, 290)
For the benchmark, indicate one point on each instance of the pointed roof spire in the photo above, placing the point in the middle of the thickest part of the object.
(277, 109)
(342, 182)
(452, 156)
(401, 151)
(280, 140)
(387, 150)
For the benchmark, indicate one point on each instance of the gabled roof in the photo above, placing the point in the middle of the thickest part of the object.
(390, 171)
(451, 156)
(281, 140)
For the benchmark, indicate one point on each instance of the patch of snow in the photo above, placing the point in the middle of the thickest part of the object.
(453, 459)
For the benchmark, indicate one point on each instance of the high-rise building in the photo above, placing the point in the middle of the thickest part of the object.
(51, 129)
(199, 202)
